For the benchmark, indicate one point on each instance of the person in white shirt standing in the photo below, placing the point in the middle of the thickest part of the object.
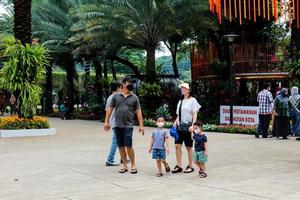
(187, 111)
(265, 101)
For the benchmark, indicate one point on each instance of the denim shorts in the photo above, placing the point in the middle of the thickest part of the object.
(124, 136)
(199, 156)
(159, 154)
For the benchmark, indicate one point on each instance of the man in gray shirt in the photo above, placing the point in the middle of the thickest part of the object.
(115, 88)
(126, 105)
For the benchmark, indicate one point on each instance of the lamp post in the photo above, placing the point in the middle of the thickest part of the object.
(230, 39)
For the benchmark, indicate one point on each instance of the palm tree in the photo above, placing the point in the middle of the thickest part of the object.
(52, 24)
(7, 19)
(94, 34)
(188, 16)
(143, 24)
(22, 20)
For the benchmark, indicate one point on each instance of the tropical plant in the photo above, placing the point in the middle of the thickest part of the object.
(149, 90)
(54, 31)
(24, 67)
(7, 18)
(294, 68)
(163, 111)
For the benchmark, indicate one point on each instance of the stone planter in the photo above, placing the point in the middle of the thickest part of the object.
(27, 132)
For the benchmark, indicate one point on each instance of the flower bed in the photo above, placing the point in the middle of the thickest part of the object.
(15, 123)
(230, 128)
(212, 127)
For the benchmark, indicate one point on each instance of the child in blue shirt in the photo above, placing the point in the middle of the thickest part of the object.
(159, 146)
(200, 151)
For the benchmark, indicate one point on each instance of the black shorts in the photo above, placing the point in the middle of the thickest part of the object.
(186, 137)
(124, 136)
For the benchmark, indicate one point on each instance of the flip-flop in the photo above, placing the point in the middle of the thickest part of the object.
(122, 171)
(134, 171)
(189, 170)
(202, 175)
(177, 169)
(159, 174)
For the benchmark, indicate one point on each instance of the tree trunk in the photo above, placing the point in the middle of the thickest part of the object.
(98, 81)
(113, 70)
(174, 61)
(105, 69)
(88, 81)
(150, 65)
(22, 20)
(173, 48)
(48, 91)
(70, 69)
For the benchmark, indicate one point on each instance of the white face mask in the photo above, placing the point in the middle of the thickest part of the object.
(160, 124)
(197, 131)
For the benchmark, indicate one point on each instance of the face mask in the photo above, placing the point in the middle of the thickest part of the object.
(197, 131)
(129, 87)
(160, 124)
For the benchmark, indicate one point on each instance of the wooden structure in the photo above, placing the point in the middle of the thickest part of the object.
(253, 65)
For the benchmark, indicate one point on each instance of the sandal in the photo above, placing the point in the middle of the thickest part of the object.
(134, 171)
(189, 170)
(177, 169)
(167, 168)
(122, 171)
(159, 174)
(202, 175)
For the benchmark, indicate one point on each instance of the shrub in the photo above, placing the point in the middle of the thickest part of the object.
(152, 123)
(230, 128)
(163, 111)
(20, 74)
(13, 123)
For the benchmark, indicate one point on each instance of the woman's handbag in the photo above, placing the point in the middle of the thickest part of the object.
(183, 127)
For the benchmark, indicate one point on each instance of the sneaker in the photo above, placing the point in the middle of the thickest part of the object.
(110, 164)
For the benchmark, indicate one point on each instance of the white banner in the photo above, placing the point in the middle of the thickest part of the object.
(245, 115)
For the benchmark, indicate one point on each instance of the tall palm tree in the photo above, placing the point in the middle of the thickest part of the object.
(7, 19)
(52, 23)
(143, 24)
(188, 16)
(22, 20)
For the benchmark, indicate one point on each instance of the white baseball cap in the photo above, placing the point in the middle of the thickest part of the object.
(184, 85)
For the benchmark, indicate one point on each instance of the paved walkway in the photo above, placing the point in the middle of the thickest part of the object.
(70, 166)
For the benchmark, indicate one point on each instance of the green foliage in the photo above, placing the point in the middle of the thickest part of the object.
(163, 111)
(149, 90)
(7, 19)
(24, 67)
(230, 129)
(294, 68)
(152, 123)
(218, 67)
